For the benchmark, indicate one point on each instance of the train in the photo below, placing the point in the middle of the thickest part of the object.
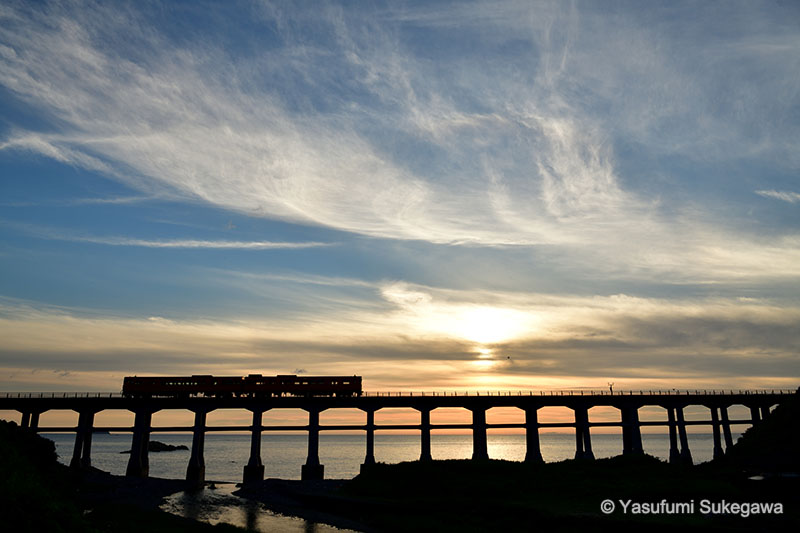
(250, 386)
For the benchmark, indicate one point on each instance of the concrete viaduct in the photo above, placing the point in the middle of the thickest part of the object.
(31, 405)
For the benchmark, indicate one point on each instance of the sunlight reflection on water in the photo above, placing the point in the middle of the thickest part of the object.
(219, 505)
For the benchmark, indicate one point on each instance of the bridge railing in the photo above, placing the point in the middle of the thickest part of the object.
(60, 395)
(582, 392)
(382, 394)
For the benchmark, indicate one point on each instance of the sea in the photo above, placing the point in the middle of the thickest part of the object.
(226, 454)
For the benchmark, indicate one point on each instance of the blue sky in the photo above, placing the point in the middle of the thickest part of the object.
(428, 194)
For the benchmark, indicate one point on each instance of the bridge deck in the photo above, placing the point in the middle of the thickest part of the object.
(371, 401)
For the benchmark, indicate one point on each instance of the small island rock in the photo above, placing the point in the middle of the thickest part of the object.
(156, 446)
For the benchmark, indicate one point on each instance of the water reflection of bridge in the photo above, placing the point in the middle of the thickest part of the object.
(759, 402)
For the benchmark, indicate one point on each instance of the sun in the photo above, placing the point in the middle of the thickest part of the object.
(489, 325)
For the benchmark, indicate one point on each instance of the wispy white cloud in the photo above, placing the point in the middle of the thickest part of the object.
(55, 234)
(303, 279)
(786, 196)
(62, 152)
(189, 243)
(468, 151)
(118, 200)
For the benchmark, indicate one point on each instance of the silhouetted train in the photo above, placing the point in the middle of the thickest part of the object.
(252, 386)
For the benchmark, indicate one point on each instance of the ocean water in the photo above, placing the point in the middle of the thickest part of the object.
(282, 455)
(226, 454)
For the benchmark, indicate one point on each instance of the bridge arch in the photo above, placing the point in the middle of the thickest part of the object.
(508, 440)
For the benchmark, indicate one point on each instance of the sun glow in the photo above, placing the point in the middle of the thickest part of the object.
(481, 324)
(484, 364)
(488, 325)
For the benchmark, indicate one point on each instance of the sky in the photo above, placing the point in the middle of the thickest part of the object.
(497, 195)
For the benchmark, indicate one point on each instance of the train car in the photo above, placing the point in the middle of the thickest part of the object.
(252, 386)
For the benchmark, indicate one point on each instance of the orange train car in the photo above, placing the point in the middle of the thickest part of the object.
(252, 386)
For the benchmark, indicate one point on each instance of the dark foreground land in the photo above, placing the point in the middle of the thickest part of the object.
(507, 496)
(38, 494)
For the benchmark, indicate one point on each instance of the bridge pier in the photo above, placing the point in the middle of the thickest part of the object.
(755, 415)
(764, 412)
(138, 463)
(726, 429)
(674, 454)
(29, 419)
(533, 452)
(369, 458)
(425, 433)
(480, 448)
(583, 439)
(313, 469)
(715, 429)
(686, 454)
(196, 469)
(631, 432)
(82, 452)
(254, 469)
